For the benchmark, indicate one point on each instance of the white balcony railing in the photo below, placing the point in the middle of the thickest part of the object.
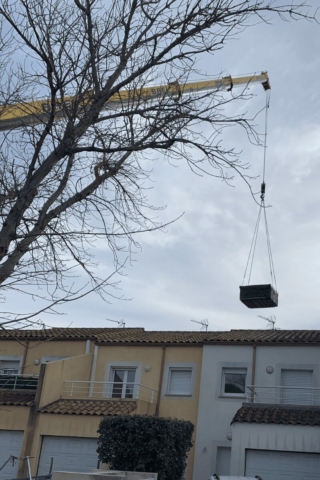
(278, 395)
(107, 390)
(10, 381)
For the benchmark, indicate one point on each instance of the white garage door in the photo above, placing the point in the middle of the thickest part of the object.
(70, 454)
(10, 444)
(272, 465)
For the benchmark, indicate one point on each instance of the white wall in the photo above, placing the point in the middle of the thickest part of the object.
(289, 357)
(216, 412)
(290, 438)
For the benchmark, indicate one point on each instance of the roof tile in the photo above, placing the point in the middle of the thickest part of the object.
(139, 335)
(284, 414)
(14, 397)
(233, 336)
(59, 333)
(90, 407)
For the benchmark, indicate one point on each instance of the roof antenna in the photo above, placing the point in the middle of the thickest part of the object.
(204, 324)
(121, 322)
(271, 321)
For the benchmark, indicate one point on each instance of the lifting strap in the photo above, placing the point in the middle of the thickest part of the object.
(262, 208)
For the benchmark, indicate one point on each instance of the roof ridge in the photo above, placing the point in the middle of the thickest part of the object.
(141, 336)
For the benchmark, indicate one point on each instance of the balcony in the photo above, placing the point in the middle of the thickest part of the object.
(86, 390)
(279, 395)
(18, 382)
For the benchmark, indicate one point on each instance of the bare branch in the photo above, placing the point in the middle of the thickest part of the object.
(79, 166)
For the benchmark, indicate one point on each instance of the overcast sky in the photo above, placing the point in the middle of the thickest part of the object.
(193, 270)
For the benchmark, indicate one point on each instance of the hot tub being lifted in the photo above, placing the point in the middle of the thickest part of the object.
(259, 296)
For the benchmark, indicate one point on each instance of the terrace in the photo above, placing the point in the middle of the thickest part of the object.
(87, 390)
(9, 381)
(280, 395)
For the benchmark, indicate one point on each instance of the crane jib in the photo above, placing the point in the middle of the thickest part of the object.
(37, 111)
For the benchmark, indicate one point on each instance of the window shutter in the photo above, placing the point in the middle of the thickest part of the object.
(10, 367)
(303, 379)
(180, 382)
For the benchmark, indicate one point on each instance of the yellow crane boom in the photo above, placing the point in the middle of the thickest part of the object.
(37, 111)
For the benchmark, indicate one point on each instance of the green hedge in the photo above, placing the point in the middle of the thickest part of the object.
(143, 443)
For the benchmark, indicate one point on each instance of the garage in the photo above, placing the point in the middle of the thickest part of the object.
(10, 444)
(272, 465)
(70, 454)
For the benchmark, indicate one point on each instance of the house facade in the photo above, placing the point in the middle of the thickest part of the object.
(253, 396)
(259, 406)
(80, 375)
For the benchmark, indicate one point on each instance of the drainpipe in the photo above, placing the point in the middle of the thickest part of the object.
(156, 414)
(93, 369)
(253, 377)
(88, 346)
(29, 433)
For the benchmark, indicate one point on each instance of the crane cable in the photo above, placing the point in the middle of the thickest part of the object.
(262, 207)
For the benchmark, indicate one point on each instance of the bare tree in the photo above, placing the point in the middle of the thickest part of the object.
(77, 171)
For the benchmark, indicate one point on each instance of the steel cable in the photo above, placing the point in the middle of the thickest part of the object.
(250, 260)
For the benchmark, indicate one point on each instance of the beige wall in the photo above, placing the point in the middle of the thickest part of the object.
(13, 418)
(169, 406)
(83, 426)
(183, 408)
(74, 368)
(11, 347)
(62, 425)
(52, 348)
(145, 408)
(146, 355)
(37, 349)
(79, 367)
(152, 356)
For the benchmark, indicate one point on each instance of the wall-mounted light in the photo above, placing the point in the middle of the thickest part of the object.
(147, 368)
(229, 436)
(269, 370)
(37, 361)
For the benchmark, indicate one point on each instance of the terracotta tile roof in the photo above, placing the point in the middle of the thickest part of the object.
(90, 407)
(125, 336)
(284, 414)
(140, 336)
(233, 336)
(14, 397)
(268, 336)
(59, 333)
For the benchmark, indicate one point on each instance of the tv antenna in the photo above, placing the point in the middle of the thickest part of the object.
(204, 324)
(271, 321)
(121, 322)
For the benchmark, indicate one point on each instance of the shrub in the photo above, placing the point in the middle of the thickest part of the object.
(143, 443)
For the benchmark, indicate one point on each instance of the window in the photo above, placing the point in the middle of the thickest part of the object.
(234, 382)
(9, 367)
(179, 381)
(122, 380)
(123, 385)
(297, 387)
